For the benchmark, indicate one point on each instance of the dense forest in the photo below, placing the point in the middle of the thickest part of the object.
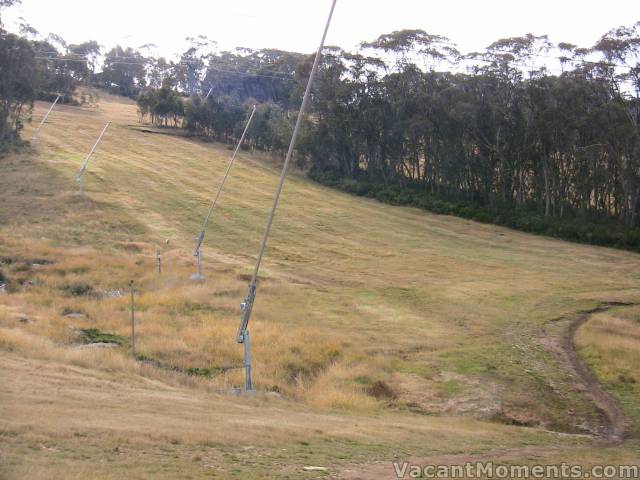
(526, 133)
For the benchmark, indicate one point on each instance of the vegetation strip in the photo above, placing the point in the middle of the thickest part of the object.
(192, 371)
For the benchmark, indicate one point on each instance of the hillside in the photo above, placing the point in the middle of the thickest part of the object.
(379, 332)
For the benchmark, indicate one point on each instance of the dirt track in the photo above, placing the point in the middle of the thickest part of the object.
(612, 434)
(617, 422)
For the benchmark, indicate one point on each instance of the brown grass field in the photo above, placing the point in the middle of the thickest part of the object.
(378, 333)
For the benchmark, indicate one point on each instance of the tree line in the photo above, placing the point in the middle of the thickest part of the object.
(498, 135)
(33, 67)
(504, 136)
(506, 139)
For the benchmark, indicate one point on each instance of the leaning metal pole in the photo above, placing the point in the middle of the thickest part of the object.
(199, 239)
(243, 333)
(88, 157)
(36, 134)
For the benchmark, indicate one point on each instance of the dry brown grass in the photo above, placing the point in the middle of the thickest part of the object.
(355, 295)
(179, 324)
(349, 283)
(64, 418)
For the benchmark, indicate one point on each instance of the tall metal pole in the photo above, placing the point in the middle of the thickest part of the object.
(88, 157)
(243, 333)
(36, 134)
(200, 237)
(133, 321)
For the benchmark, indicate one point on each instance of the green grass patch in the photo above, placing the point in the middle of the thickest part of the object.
(94, 335)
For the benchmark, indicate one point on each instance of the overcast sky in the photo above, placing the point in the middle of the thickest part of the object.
(297, 24)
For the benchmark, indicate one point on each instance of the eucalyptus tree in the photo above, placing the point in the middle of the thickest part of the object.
(18, 85)
(189, 71)
(409, 47)
(267, 75)
(163, 105)
(6, 4)
(124, 71)
(90, 52)
(620, 48)
(55, 71)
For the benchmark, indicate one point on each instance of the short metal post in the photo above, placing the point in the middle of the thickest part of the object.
(159, 260)
(247, 362)
(36, 134)
(133, 321)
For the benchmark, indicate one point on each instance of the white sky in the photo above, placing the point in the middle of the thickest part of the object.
(297, 24)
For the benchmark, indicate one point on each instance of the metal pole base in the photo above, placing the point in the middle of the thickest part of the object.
(198, 277)
(248, 386)
(241, 392)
